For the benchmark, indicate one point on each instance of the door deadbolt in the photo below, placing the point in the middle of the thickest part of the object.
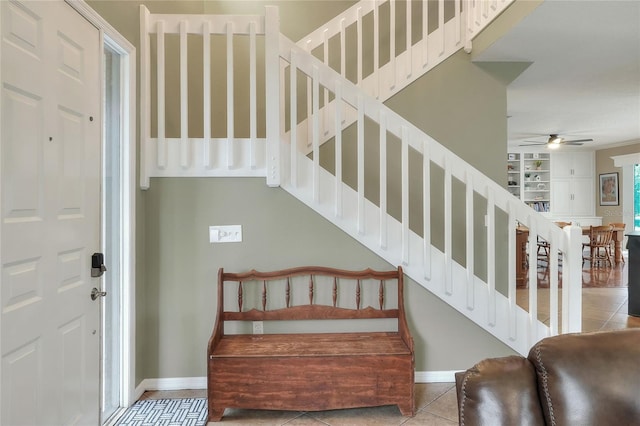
(95, 293)
(97, 265)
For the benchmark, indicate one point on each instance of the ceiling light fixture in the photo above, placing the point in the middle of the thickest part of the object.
(555, 139)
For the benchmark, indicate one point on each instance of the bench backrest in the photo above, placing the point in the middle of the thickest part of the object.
(310, 293)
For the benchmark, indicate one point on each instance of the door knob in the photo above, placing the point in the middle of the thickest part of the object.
(95, 293)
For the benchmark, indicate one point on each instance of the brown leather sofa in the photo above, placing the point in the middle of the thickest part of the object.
(578, 379)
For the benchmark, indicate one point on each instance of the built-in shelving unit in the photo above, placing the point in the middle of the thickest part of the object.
(529, 178)
(513, 174)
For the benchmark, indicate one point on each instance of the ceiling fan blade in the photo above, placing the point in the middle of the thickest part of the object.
(533, 144)
(578, 140)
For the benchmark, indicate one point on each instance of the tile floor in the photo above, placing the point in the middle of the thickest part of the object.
(436, 404)
(604, 307)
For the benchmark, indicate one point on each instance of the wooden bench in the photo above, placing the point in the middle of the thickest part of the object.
(314, 370)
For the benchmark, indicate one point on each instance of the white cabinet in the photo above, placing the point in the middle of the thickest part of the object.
(573, 165)
(573, 192)
(573, 197)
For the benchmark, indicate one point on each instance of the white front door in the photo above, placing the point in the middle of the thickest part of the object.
(50, 212)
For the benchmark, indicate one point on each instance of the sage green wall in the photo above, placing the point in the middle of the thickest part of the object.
(604, 164)
(278, 232)
(177, 266)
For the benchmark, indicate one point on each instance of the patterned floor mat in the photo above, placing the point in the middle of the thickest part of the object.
(166, 412)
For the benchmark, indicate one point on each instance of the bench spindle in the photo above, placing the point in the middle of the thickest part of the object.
(358, 295)
(239, 296)
(334, 295)
(287, 293)
(264, 295)
(311, 289)
(381, 294)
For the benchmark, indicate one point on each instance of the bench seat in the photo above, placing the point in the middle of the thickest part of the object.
(310, 345)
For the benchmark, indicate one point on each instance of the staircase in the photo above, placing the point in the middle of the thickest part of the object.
(288, 154)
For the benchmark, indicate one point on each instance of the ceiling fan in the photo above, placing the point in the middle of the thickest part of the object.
(555, 141)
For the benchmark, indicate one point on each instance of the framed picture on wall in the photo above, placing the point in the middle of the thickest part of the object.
(609, 189)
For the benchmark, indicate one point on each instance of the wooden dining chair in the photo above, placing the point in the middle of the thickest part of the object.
(599, 245)
(543, 245)
(617, 225)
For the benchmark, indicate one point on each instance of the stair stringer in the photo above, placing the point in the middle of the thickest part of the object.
(492, 311)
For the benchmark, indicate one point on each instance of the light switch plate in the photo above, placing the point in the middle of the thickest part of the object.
(225, 234)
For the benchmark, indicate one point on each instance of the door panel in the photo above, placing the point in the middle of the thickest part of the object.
(50, 184)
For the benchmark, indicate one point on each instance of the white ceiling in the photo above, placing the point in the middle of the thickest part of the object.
(584, 77)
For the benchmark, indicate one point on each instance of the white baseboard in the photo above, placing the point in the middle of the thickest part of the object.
(180, 383)
(171, 383)
(435, 376)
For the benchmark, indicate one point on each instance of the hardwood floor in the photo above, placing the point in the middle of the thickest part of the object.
(604, 297)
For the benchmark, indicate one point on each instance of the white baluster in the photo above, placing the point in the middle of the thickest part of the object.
(426, 208)
(383, 180)
(145, 97)
(162, 142)
(532, 326)
(491, 256)
(409, 51)
(425, 33)
(458, 21)
(470, 238)
(325, 91)
(376, 47)
(184, 98)
(360, 142)
(392, 43)
(405, 195)
(293, 102)
(253, 95)
(338, 155)
(316, 135)
(230, 98)
(359, 44)
(206, 92)
(272, 94)
(511, 269)
(448, 225)
(441, 26)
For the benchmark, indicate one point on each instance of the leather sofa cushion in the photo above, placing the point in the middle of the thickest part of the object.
(589, 378)
(499, 391)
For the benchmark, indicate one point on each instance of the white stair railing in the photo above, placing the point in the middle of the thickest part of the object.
(452, 25)
(490, 301)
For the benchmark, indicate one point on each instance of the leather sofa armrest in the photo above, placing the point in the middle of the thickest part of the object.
(589, 378)
(499, 391)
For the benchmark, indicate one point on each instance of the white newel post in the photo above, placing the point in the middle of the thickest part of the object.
(572, 282)
(272, 93)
